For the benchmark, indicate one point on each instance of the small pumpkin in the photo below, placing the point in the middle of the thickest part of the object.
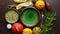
(36, 30)
(27, 31)
(40, 4)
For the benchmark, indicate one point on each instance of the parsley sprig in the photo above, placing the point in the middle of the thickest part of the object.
(47, 26)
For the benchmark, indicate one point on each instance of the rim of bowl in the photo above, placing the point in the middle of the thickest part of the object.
(15, 11)
(39, 16)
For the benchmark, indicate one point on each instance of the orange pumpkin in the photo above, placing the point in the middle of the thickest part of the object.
(40, 4)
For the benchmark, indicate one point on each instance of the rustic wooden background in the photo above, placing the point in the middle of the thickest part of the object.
(4, 6)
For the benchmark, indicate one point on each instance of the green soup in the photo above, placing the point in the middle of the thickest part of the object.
(29, 17)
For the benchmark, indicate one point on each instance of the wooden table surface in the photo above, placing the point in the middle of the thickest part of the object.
(4, 6)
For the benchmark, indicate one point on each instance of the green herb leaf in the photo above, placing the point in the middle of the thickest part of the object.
(47, 26)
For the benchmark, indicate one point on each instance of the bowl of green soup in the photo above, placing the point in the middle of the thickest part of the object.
(30, 16)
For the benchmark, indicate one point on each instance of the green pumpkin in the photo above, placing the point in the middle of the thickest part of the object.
(36, 30)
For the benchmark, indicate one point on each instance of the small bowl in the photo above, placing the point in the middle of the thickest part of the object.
(12, 14)
(38, 13)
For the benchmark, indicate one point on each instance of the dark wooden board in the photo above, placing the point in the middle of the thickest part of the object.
(4, 6)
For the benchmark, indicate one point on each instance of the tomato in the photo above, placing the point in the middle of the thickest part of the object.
(17, 28)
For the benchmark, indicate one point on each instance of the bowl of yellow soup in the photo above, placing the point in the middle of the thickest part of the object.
(11, 15)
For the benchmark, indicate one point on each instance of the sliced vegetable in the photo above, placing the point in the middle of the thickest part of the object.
(19, 6)
(19, 1)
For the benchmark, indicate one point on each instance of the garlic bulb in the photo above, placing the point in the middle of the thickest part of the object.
(9, 26)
